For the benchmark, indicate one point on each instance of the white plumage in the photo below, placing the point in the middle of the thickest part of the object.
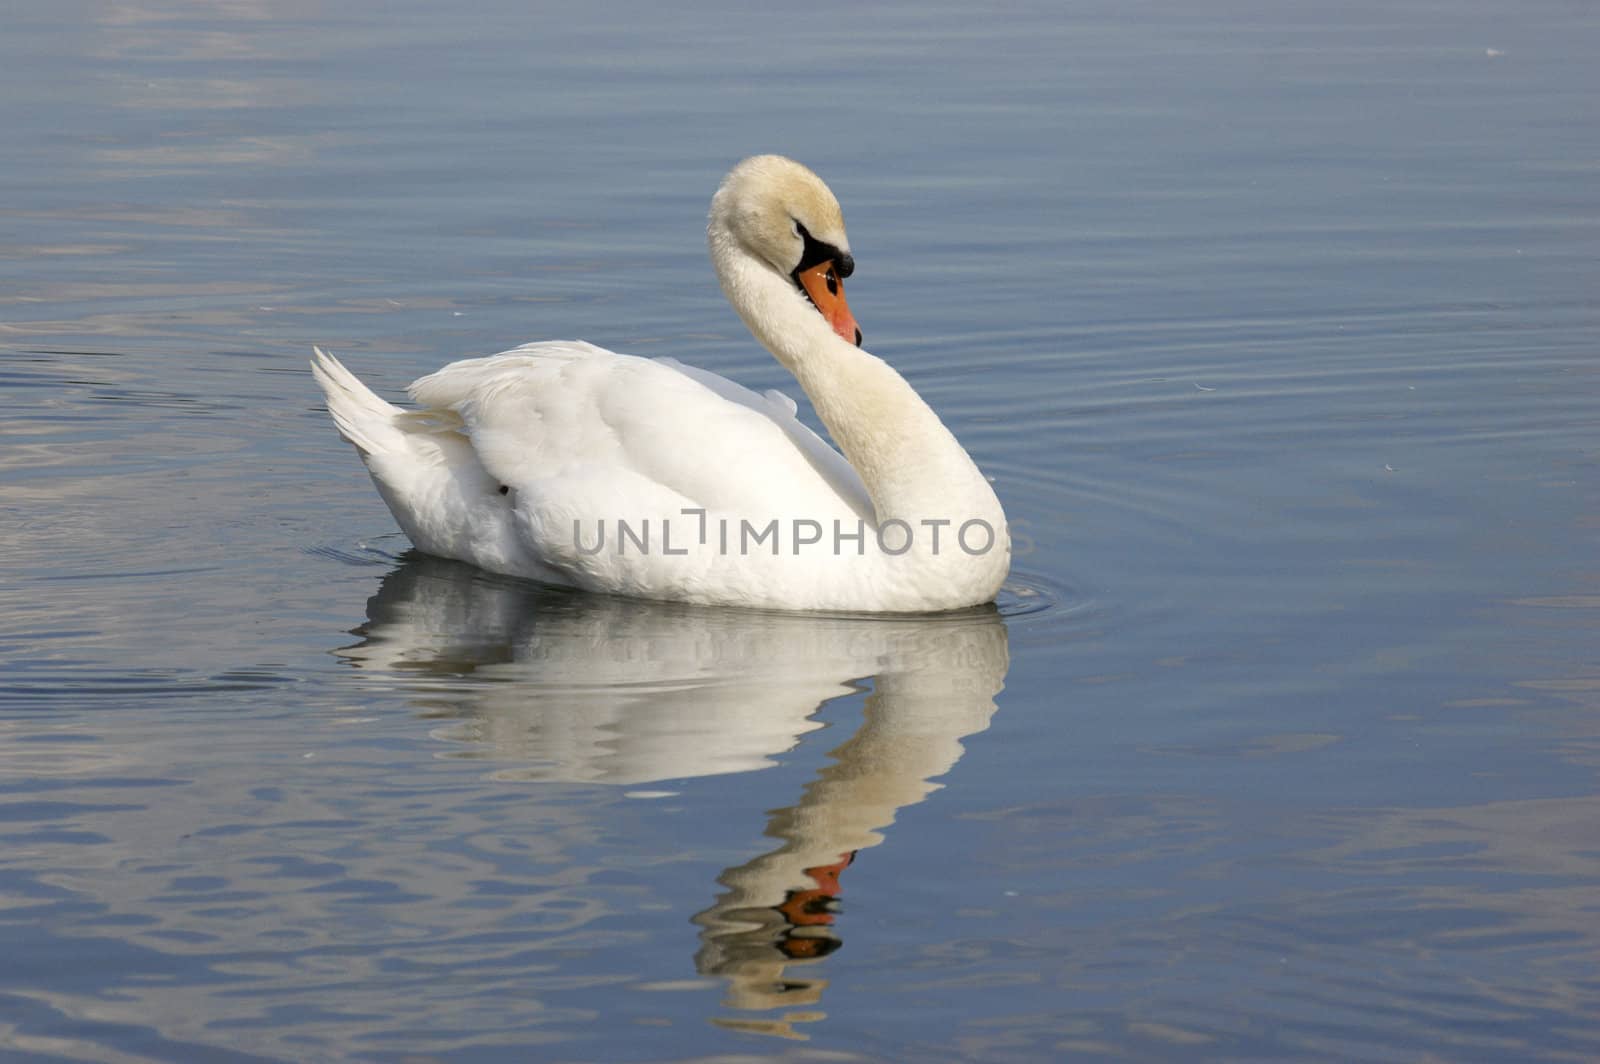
(568, 463)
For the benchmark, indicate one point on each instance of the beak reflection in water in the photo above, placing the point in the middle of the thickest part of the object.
(587, 689)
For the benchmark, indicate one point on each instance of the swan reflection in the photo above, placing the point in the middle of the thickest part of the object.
(557, 686)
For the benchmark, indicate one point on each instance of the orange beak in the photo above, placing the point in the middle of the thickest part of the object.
(822, 284)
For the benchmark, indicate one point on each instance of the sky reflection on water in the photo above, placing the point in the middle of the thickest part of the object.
(1275, 328)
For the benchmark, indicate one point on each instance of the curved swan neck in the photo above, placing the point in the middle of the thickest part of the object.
(912, 466)
(771, 308)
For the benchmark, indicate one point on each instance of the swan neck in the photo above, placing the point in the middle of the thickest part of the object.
(913, 467)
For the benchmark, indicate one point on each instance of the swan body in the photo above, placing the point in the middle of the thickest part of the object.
(578, 466)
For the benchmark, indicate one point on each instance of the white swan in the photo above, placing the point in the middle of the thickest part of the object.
(571, 464)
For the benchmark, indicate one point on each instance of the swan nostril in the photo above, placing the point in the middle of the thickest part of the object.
(858, 337)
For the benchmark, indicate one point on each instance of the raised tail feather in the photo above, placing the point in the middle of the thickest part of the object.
(363, 419)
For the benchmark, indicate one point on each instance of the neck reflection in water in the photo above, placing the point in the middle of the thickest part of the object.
(600, 690)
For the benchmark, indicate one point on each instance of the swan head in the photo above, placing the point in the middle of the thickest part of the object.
(783, 216)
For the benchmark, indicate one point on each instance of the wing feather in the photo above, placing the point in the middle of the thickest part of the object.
(543, 418)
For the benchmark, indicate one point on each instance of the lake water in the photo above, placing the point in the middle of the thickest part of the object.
(1276, 328)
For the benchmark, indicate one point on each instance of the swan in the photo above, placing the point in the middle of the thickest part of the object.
(577, 466)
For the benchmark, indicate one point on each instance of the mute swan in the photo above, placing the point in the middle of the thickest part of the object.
(571, 464)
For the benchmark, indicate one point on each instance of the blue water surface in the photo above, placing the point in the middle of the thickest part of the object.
(1275, 326)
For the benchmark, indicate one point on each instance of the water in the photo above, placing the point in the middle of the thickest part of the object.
(1275, 327)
